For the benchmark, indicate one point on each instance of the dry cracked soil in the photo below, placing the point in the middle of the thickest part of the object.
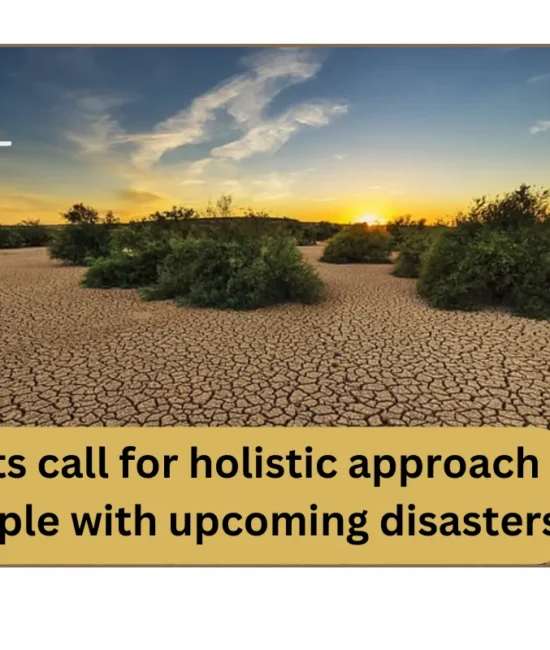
(372, 354)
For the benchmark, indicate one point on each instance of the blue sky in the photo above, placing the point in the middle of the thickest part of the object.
(307, 132)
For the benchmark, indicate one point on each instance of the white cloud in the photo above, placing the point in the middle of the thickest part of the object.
(273, 186)
(271, 135)
(198, 167)
(192, 181)
(265, 187)
(232, 186)
(541, 125)
(94, 129)
(540, 77)
(244, 97)
(339, 156)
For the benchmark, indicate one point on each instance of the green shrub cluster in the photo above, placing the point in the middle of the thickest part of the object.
(29, 233)
(88, 236)
(497, 255)
(10, 237)
(400, 228)
(237, 263)
(415, 243)
(236, 273)
(133, 261)
(358, 244)
(308, 234)
(216, 261)
(85, 237)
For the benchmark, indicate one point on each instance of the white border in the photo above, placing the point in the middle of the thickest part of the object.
(284, 22)
(264, 609)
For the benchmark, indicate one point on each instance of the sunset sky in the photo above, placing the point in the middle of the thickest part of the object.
(320, 133)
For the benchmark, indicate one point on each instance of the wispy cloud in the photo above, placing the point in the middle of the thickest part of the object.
(232, 186)
(94, 129)
(539, 77)
(339, 156)
(192, 181)
(540, 126)
(266, 187)
(273, 186)
(138, 196)
(15, 207)
(244, 97)
(271, 135)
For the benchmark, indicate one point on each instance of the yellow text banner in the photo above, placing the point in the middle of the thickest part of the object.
(274, 496)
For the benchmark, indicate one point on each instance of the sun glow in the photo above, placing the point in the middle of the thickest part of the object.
(370, 219)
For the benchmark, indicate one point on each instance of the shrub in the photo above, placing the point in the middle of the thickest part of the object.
(236, 273)
(522, 208)
(325, 230)
(85, 237)
(358, 244)
(414, 246)
(26, 233)
(464, 270)
(133, 261)
(306, 235)
(530, 290)
(399, 229)
(125, 270)
(10, 237)
(33, 233)
(497, 255)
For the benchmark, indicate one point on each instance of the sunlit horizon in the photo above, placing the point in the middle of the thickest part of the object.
(316, 134)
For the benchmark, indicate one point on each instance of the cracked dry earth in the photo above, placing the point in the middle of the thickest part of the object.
(371, 354)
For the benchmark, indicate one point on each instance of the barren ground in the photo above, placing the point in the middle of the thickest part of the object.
(371, 354)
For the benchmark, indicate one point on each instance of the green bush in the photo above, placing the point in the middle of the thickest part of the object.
(306, 235)
(134, 258)
(358, 244)
(497, 255)
(33, 233)
(412, 250)
(399, 229)
(10, 237)
(85, 237)
(76, 244)
(523, 208)
(236, 273)
(468, 271)
(325, 230)
(530, 290)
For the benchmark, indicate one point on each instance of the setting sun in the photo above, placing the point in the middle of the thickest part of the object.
(369, 219)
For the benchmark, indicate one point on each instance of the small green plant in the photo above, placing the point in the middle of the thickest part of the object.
(497, 255)
(522, 208)
(412, 250)
(10, 237)
(306, 235)
(358, 244)
(134, 258)
(236, 273)
(400, 227)
(29, 233)
(325, 230)
(86, 235)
